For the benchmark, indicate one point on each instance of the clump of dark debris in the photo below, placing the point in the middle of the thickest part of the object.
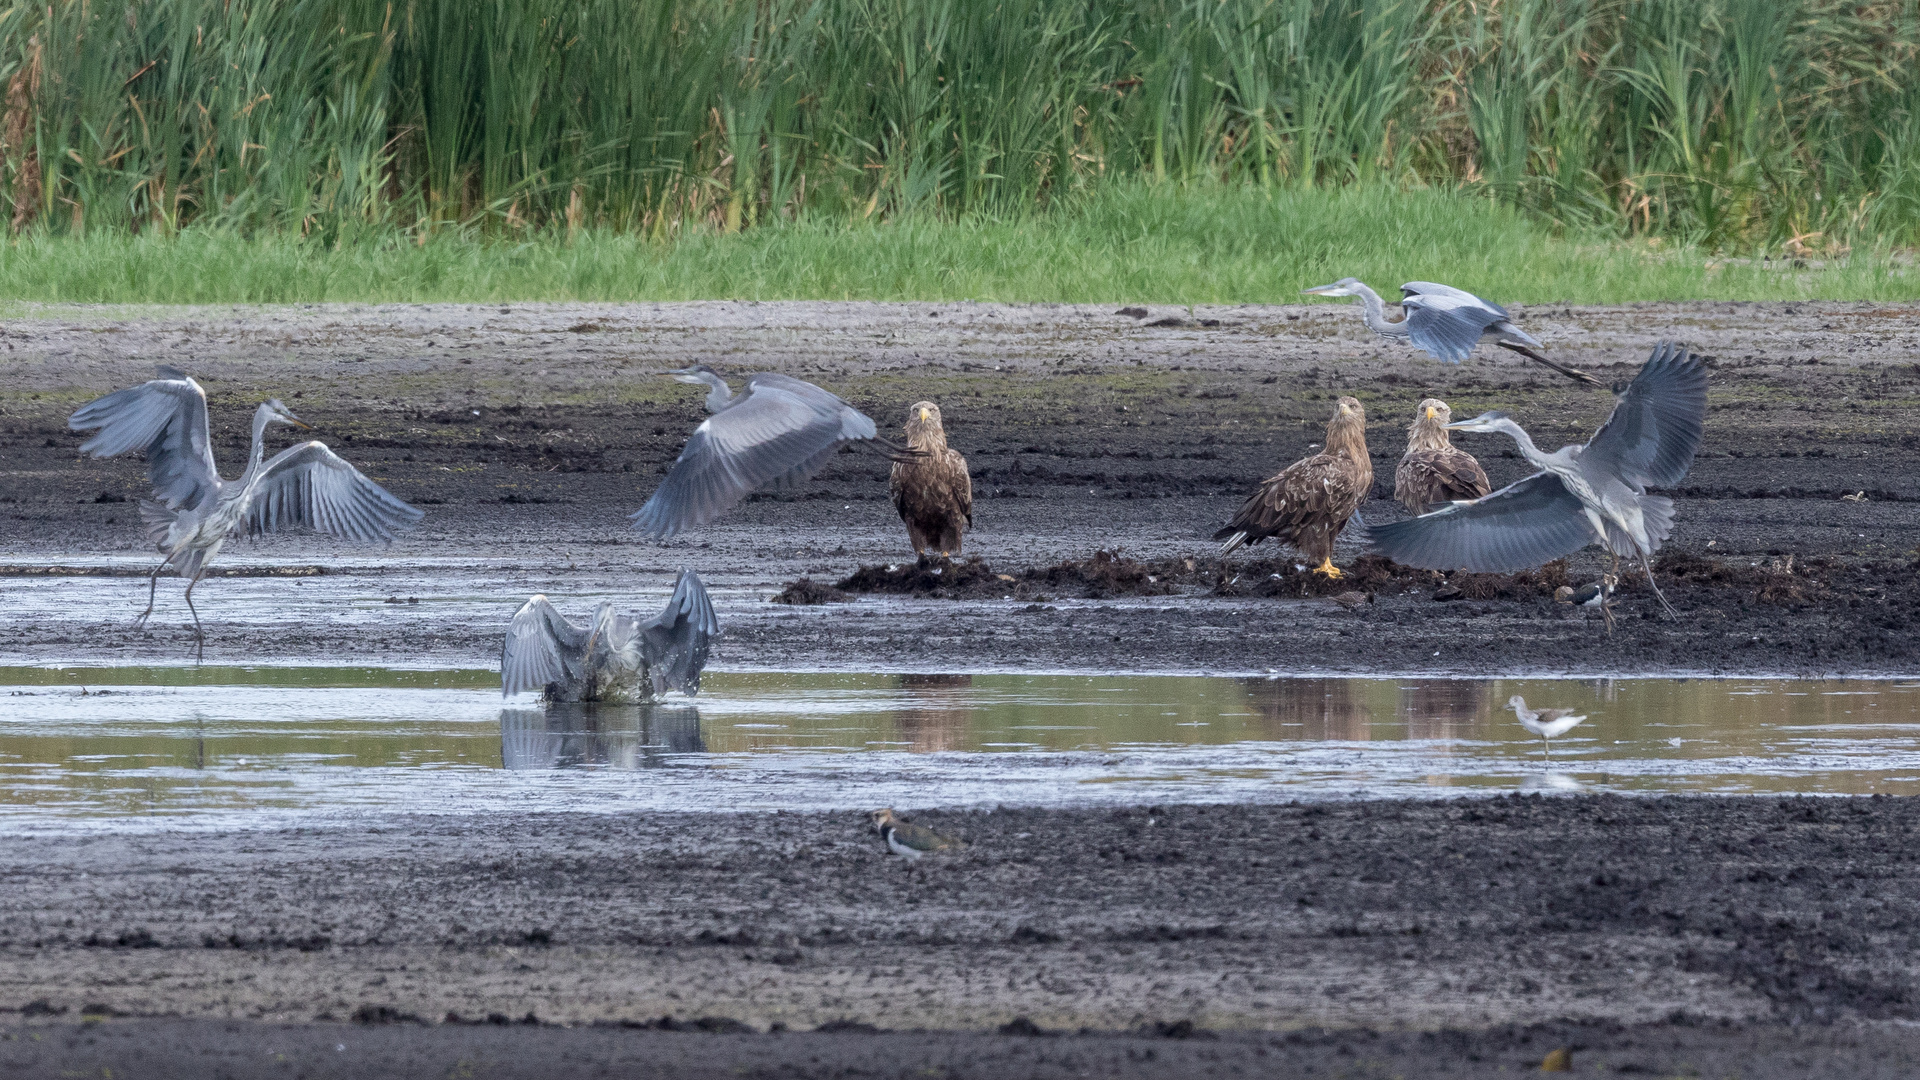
(1778, 579)
(808, 591)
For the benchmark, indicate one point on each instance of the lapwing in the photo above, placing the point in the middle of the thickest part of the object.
(907, 839)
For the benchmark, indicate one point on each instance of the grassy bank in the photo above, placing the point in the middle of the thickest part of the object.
(1740, 125)
(1133, 243)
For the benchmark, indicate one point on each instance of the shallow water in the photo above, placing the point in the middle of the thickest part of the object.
(216, 746)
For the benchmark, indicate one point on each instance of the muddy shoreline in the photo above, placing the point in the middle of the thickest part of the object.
(527, 432)
(1753, 935)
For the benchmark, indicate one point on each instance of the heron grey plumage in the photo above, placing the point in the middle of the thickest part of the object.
(1591, 493)
(194, 511)
(1445, 322)
(614, 657)
(775, 434)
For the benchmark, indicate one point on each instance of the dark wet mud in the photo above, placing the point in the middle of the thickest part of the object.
(1748, 937)
(529, 432)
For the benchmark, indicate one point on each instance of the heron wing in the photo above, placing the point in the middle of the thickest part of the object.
(166, 418)
(309, 486)
(678, 639)
(1522, 525)
(771, 433)
(542, 647)
(1657, 423)
(1446, 326)
(1435, 289)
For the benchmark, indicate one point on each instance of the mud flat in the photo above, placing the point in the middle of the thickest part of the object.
(528, 432)
(1678, 936)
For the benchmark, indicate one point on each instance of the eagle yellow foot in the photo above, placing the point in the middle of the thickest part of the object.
(1326, 567)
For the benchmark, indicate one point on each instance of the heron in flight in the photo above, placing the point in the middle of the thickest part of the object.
(613, 658)
(775, 434)
(1549, 724)
(1592, 493)
(193, 511)
(1445, 322)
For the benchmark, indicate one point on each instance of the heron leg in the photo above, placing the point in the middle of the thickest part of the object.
(1647, 564)
(153, 583)
(1326, 567)
(1571, 373)
(199, 635)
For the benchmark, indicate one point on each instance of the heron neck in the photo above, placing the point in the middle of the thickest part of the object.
(1527, 449)
(720, 393)
(261, 417)
(1427, 434)
(1376, 314)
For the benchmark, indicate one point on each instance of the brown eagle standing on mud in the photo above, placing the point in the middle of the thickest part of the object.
(1433, 470)
(1309, 502)
(933, 492)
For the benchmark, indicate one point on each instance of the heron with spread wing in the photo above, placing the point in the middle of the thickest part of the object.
(193, 511)
(1445, 322)
(1592, 493)
(613, 658)
(774, 435)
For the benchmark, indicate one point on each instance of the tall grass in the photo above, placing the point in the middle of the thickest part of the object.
(1746, 124)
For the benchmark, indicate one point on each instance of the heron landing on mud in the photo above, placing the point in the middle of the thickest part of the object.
(1445, 322)
(1586, 494)
(193, 511)
(613, 658)
(773, 436)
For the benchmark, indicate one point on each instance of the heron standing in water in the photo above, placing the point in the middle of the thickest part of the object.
(614, 658)
(1445, 322)
(776, 434)
(1592, 493)
(1549, 724)
(193, 511)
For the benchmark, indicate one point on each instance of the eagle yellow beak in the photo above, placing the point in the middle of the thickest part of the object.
(926, 414)
(1432, 414)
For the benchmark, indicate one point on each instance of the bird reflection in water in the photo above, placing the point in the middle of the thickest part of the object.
(1312, 709)
(1442, 708)
(587, 734)
(937, 712)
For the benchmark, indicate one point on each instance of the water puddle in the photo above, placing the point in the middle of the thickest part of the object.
(220, 746)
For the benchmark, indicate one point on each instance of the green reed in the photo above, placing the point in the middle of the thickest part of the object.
(1742, 124)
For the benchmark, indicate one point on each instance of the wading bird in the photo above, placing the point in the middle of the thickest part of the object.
(193, 511)
(1549, 724)
(775, 434)
(933, 493)
(614, 658)
(1595, 493)
(1307, 503)
(905, 839)
(1445, 322)
(1433, 470)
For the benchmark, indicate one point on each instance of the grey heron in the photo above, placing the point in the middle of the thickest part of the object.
(1307, 503)
(775, 434)
(1549, 724)
(1592, 493)
(614, 658)
(1445, 322)
(1433, 470)
(193, 511)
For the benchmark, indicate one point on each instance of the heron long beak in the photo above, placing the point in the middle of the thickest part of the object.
(1320, 290)
(1459, 425)
(292, 419)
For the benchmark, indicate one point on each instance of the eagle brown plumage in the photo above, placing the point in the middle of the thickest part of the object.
(1433, 470)
(1309, 502)
(932, 491)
